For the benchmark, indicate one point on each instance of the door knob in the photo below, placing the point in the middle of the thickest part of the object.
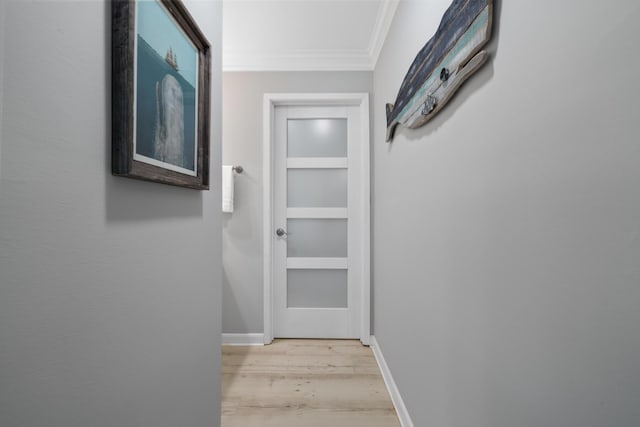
(280, 232)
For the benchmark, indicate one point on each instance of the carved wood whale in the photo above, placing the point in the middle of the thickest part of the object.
(448, 59)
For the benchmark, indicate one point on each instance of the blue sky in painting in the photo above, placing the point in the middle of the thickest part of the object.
(156, 26)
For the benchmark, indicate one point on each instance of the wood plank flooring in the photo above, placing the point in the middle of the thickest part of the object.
(304, 383)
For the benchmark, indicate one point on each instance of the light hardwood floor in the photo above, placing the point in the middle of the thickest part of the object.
(304, 383)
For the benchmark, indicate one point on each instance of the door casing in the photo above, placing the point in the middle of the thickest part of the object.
(271, 101)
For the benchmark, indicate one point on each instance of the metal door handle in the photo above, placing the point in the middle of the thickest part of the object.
(280, 232)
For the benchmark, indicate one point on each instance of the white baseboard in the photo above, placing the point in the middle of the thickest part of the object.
(242, 339)
(398, 403)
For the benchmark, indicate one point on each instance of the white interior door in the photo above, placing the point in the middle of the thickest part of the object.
(318, 208)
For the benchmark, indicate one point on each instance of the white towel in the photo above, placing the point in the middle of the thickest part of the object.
(227, 188)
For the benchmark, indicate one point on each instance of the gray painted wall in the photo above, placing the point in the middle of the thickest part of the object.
(2, 37)
(506, 233)
(242, 136)
(110, 288)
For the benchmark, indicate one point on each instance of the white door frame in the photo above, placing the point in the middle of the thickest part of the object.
(271, 101)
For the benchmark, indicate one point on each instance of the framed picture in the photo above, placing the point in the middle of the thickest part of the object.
(161, 64)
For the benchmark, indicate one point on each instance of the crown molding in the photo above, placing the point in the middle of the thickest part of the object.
(317, 60)
(381, 29)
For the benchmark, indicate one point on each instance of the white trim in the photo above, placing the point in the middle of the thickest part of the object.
(243, 339)
(271, 100)
(267, 216)
(396, 398)
(315, 59)
(313, 99)
(317, 163)
(381, 29)
(317, 263)
(327, 213)
(365, 326)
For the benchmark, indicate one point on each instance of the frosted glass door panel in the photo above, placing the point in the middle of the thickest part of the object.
(326, 238)
(317, 289)
(317, 188)
(317, 137)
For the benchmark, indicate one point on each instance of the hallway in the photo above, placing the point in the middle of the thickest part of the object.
(505, 234)
(304, 383)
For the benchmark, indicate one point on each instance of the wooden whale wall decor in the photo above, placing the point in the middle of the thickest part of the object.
(447, 60)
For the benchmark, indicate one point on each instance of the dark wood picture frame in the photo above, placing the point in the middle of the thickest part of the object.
(124, 162)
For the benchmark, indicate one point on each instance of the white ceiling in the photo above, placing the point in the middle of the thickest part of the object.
(297, 35)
